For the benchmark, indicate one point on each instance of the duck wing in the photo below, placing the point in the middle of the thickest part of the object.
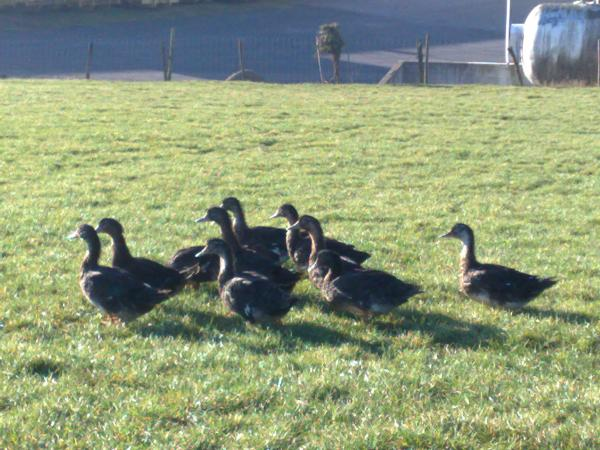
(372, 289)
(347, 250)
(155, 274)
(504, 285)
(256, 299)
(248, 260)
(195, 270)
(117, 292)
(269, 239)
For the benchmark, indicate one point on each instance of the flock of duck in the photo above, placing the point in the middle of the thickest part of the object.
(247, 263)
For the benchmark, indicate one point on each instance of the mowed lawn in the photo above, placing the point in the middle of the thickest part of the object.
(386, 168)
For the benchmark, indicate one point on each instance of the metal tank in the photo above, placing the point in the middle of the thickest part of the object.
(560, 43)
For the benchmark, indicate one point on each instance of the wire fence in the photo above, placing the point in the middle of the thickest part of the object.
(280, 59)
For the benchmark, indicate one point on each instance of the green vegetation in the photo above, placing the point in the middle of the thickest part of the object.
(387, 168)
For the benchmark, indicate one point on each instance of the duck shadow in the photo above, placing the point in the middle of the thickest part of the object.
(564, 316)
(444, 330)
(180, 329)
(302, 333)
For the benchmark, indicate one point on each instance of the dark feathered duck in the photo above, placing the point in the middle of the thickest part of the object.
(145, 270)
(317, 243)
(249, 294)
(247, 259)
(492, 284)
(261, 238)
(195, 270)
(298, 242)
(116, 292)
(364, 293)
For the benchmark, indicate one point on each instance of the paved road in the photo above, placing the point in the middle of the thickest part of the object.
(278, 37)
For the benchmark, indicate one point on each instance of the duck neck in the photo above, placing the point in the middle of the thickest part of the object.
(229, 236)
(121, 253)
(467, 254)
(292, 236)
(317, 243)
(225, 267)
(240, 226)
(93, 254)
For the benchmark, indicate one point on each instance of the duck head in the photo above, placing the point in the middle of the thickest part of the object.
(232, 205)
(307, 223)
(214, 246)
(84, 232)
(110, 226)
(288, 212)
(462, 232)
(214, 214)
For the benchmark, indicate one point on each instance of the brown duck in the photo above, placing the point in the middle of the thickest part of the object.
(492, 284)
(116, 292)
(317, 240)
(146, 270)
(364, 293)
(254, 297)
(298, 242)
(267, 240)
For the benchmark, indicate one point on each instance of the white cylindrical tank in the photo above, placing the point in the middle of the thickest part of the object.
(560, 43)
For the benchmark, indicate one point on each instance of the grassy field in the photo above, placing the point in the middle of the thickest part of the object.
(386, 168)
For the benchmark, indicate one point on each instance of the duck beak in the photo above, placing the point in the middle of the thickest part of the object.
(99, 229)
(447, 235)
(73, 235)
(202, 219)
(201, 252)
(276, 215)
(296, 226)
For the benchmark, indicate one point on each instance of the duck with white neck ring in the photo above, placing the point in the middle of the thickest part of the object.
(492, 284)
(254, 297)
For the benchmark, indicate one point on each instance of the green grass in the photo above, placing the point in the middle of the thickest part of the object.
(386, 168)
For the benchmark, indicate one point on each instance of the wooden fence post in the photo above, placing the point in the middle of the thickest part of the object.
(170, 58)
(420, 60)
(426, 74)
(240, 46)
(319, 60)
(163, 54)
(88, 64)
(517, 67)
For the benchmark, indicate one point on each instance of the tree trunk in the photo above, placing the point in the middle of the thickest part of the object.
(336, 67)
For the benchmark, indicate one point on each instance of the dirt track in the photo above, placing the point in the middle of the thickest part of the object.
(278, 38)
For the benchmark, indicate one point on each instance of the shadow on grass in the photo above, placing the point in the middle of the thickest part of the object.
(444, 330)
(564, 316)
(202, 322)
(310, 333)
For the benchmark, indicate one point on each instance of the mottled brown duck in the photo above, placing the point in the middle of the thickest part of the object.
(261, 238)
(364, 293)
(145, 270)
(254, 297)
(248, 259)
(491, 284)
(298, 242)
(317, 240)
(116, 292)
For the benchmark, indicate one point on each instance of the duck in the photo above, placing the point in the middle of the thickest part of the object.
(195, 270)
(264, 239)
(249, 294)
(316, 274)
(298, 242)
(146, 270)
(118, 294)
(248, 259)
(492, 284)
(365, 293)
